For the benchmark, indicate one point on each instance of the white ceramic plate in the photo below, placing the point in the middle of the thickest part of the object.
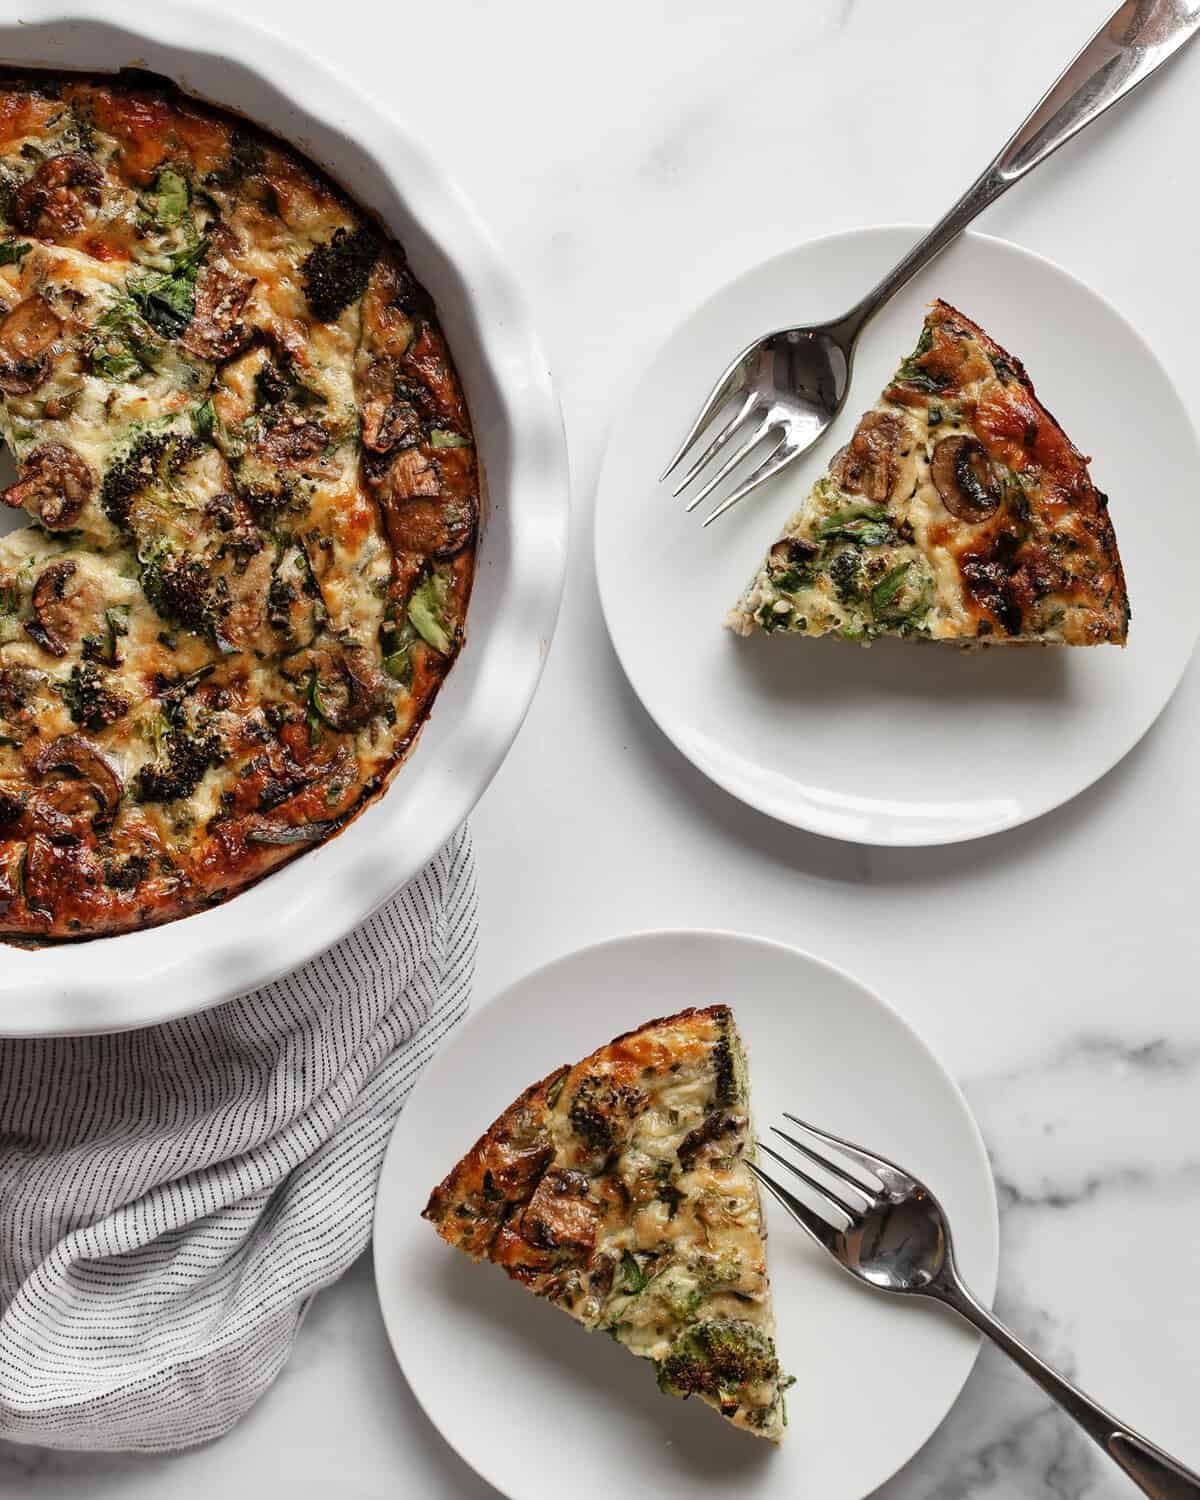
(902, 743)
(146, 977)
(539, 1407)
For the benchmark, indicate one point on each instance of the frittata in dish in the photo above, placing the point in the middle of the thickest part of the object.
(618, 1189)
(252, 497)
(958, 511)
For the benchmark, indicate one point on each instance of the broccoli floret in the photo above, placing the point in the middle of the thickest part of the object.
(335, 274)
(182, 590)
(601, 1112)
(92, 703)
(186, 750)
(716, 1358)
(246, 159)
(588, 1116)
(845, 573)
(772, 619)
(154, 458)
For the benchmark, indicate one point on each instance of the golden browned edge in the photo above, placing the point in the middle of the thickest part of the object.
(1073, 474)
(474, 1163)
(131, 81)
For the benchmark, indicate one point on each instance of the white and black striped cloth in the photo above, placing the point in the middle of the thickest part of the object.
(172, 1198)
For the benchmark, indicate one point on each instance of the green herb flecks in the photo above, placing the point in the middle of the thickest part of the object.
(555, 1088)
(885, 591)
(102, 648)
(169, 200)
(124, 344)
(633, 1278)
(316, 711)
(204, 420)
(167, 299)
(396, 640)
(868, 525)
(427, 612)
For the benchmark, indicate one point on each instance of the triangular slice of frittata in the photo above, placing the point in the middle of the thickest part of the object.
(959, 511)
(618, 1188)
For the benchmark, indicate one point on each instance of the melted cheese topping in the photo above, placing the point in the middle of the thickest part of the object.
(252, 484)
(620, 1189)
(958, 511)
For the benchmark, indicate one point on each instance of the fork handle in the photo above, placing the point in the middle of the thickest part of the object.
(1131, 45)
(1154, 1472)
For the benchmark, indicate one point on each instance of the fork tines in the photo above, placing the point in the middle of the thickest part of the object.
(840, 1207)
(747, 413)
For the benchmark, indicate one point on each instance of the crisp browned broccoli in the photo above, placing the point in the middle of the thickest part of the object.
(153, 457)
(186, 749)
(93, 704)
(336, 273)
(718, 1357)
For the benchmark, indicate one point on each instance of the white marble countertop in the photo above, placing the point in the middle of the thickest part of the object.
(1052, 968)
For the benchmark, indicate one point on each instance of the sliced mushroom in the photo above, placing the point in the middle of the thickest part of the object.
(790, 552)
(966, 481)
(51, 623)
(54, 202)
(559, 1215)
(76, 755)
(55, 484)
(350, 689)
(867, 464)
(26, 335)
(389, 419)
(392, 298)
(408, 475)
(433, 528)
(217, 330)
(419, 518)
(366, 684)
(291, 441)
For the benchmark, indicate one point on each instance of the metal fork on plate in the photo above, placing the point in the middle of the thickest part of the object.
(786, 388)
(886, 1228)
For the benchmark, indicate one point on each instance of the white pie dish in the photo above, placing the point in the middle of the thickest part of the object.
(146, 977)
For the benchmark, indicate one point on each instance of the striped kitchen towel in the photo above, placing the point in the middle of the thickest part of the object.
(172, 1198)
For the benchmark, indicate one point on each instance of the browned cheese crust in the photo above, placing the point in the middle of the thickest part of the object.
(619, 1189)
(959, 511)
(253, 498)
(1062, 542)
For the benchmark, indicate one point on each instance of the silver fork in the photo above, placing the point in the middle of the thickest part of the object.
(886, 1228)
(788, 387)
